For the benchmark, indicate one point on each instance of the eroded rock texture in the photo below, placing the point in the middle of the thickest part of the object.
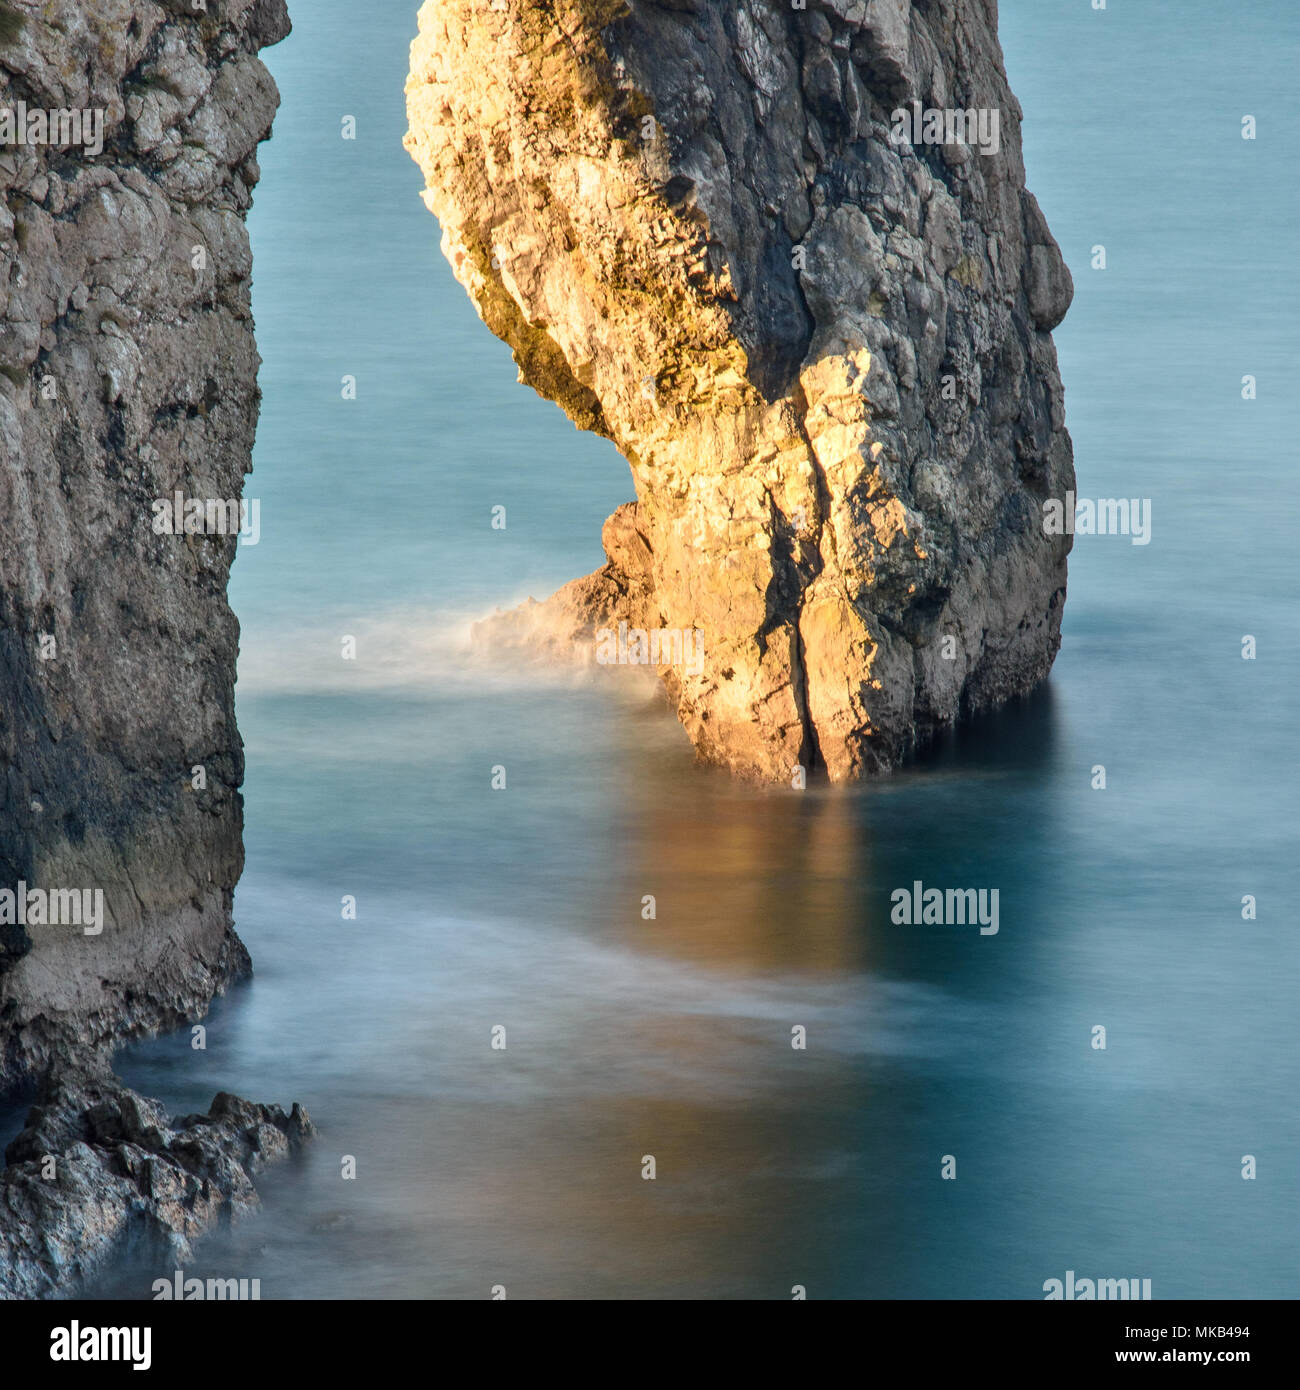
(127, 372)
(825, 354)
(99, 1169)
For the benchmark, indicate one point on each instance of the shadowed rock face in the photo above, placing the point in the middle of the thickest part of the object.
(823, 350)
(99, 1170)
(128, 371)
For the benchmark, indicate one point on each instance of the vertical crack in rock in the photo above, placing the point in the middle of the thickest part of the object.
(824, 351)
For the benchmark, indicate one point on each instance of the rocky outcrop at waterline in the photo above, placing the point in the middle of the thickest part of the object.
(128, 392)
(99, 1170)
(760, 248)
(128, 374)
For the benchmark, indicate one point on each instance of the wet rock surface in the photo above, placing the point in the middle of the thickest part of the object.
(100, 1170)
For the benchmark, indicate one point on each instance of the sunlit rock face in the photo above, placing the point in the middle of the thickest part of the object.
(819, 333)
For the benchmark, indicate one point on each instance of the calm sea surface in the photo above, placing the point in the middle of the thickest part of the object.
(672, 1037)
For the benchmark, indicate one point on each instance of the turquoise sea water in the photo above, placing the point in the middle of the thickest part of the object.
(671, 1037)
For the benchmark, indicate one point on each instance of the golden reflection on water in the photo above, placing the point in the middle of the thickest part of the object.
(748, 878)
